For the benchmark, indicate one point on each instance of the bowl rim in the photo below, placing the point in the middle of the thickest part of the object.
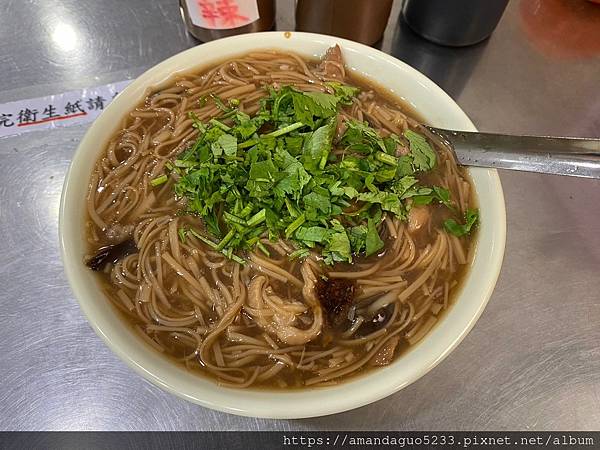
(257, 403)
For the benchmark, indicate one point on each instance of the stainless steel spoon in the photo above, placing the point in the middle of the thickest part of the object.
(576, 157)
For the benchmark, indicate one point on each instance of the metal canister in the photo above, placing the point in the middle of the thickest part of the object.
(455, 23)
(359, 20)
(207, 20)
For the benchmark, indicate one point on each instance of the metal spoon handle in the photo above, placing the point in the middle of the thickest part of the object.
(578, 157)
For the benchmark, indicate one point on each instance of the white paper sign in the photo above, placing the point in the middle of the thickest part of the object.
(222, 14)
(59, 110)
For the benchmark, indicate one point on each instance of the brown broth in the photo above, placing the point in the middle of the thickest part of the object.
(177, 346)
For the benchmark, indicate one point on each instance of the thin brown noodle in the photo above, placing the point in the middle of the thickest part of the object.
(218, 317)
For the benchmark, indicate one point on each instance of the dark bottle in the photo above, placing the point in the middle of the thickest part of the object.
(359, 20)
(207, 20)
(453, 22)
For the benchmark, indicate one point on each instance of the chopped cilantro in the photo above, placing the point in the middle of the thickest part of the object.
(246, 184)
(457, 229)
(423, 155)
(372, 240)
(344, 93)
(317, 147)
(159, 180)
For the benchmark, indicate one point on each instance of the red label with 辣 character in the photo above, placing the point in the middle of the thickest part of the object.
(222, 14)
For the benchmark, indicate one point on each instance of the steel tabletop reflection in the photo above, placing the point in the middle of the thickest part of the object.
(531, 362)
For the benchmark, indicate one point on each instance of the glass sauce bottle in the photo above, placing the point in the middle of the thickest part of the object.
(207, 20)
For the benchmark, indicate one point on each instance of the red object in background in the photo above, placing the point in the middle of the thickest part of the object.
(562, 28)
(230, 15)
(224, 12)
(208, 12)
(213, 19)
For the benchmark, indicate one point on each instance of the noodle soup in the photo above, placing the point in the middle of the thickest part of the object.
(276, 222)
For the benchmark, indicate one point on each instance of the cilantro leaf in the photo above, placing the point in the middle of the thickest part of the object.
(373, 242)
(389, 201)
(338, 248)
(297, 177)
(457, 229)
(358, 236)
(317, 147)
(326, 102)
(443, 196)
(313, 234)
(359, 136)
(424, 196)
(317, 201)
(228, 144)
(424, 157)
(343, 92)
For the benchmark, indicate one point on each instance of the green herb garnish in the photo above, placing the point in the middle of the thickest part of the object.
(182, 232)
(159, 180)
(276, 175)
(457, 229)
(423, 155)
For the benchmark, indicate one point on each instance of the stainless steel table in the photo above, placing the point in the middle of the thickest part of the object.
(531, 362)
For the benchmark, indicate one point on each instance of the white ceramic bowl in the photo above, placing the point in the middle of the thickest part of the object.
(427, 98)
